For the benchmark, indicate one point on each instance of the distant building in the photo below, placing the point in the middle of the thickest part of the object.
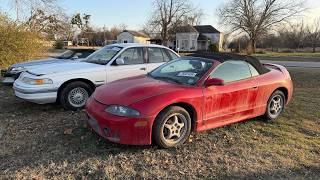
(197, 38)
(128, 36)
(67, 43)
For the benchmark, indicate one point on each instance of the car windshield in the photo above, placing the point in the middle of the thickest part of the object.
(182, 71)
(66, 55)
(104, 55)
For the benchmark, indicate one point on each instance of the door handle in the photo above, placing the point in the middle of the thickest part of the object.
(255, 87)
(143, 69)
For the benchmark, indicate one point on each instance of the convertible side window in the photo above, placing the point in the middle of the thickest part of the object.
(253, 70)
(232, 71)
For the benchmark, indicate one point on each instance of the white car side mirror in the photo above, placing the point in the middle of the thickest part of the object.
(120, 61)
(75, 57)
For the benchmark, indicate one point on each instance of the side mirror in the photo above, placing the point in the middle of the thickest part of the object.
(75, 57)
(214, 82)
(120, 61)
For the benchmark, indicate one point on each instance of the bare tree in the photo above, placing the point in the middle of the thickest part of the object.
(166, 13)
(314, 34)
(293, 36)
(82, 22)
(254, 17)
(194, 18)
(27, 8)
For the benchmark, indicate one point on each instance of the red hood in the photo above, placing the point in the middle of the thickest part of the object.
(131, 90)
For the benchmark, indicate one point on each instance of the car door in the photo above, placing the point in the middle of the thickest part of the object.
(232, 100)
(156, 57)
(134, 64)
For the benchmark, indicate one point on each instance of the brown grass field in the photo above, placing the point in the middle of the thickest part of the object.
(47, 142)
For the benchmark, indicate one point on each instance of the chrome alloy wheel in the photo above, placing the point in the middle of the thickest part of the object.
(77, 97)
(174, 128)
(276, 106)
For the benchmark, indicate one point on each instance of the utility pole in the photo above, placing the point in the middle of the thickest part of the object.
(104, 34)
(16, 4)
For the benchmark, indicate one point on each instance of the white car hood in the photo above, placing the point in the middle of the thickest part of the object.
(66, 67)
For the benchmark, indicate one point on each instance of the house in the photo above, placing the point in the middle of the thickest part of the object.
(67, 43)
(128, 36)
(197, 38)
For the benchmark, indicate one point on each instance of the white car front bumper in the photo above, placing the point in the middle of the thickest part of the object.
(34, 93)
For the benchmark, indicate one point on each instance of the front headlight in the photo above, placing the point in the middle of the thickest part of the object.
(17, 69)
(122, 111)
(36, 81)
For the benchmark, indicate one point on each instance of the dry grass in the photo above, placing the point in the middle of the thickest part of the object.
(35, 144)
(293, 54)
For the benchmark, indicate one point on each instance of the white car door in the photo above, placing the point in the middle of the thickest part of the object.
(134, 65)
(157, 57)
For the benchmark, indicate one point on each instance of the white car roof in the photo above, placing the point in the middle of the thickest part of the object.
(127, 45)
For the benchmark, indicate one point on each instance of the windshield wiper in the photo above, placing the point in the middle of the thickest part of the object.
(167, 78)
(97, 61)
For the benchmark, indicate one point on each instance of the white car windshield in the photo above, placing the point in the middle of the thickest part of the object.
(104, 55)
(66, 55)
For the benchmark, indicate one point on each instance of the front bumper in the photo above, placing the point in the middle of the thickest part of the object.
(36, 94)
(9, 77)
(122, 130)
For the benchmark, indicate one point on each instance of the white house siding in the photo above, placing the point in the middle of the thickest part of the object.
(126, 37)
(221, 41)
(187, 41)
(216, 38)
(141, 40)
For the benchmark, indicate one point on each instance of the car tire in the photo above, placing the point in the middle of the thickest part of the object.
(275, 105)
(172, 127)
(74, 95)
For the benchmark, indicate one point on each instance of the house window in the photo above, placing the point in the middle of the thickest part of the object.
(193, 45)
(125, 41)
(184, 44)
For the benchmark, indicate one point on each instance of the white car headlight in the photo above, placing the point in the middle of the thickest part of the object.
(122, 111)
(36, 81)
(17, 69)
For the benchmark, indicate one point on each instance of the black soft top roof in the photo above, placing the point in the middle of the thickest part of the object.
(223, 57)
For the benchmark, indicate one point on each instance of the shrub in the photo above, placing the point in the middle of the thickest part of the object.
(261, 52)
(214, 48)
(17, 43)
(59, 44)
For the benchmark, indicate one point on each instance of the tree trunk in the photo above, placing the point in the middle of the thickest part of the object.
(165, 35)
(251, 46)
(313, 47)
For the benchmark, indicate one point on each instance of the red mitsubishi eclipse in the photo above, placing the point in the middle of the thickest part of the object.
(188, 94)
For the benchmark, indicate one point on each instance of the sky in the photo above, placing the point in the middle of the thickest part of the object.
(135, 13)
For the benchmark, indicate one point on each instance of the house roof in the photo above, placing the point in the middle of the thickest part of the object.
(136, 33)
(206, 29)
(197, 29)
(186, 29)
(202, 37)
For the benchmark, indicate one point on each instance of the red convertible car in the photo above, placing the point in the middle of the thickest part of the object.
(188, 94)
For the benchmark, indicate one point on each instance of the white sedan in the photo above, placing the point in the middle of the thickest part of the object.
(71, 83)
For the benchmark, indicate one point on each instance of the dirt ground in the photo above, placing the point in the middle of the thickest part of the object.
(45, 141)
